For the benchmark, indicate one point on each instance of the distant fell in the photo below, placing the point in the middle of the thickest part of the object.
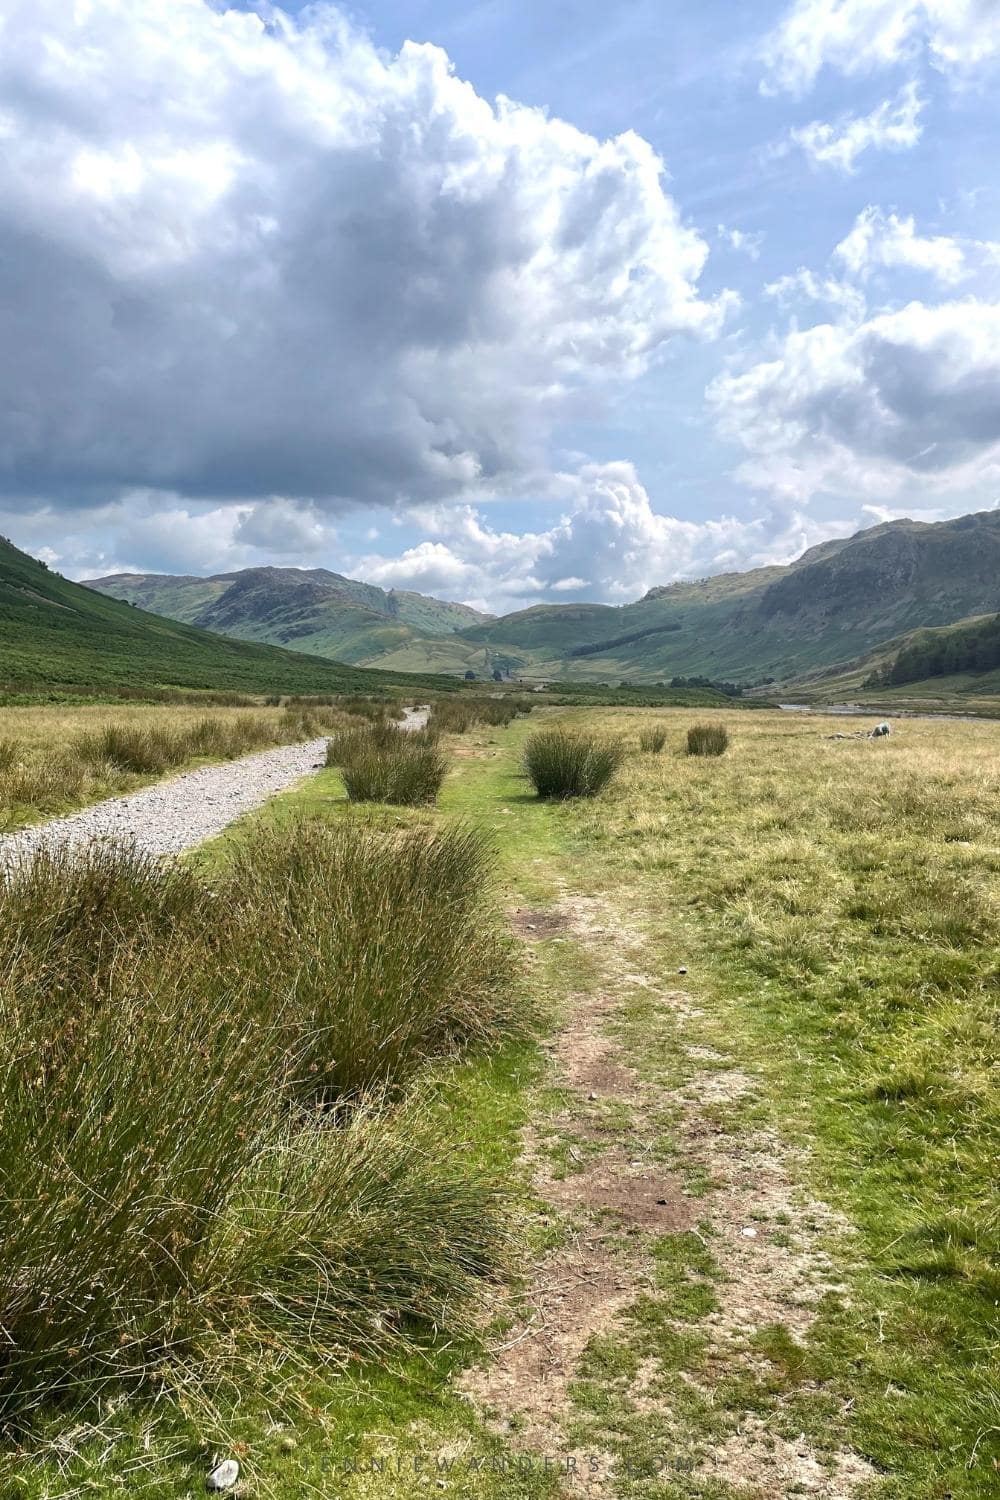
(838, 601)
(306, 609)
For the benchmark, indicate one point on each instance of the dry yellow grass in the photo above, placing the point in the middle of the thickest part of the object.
(56, 758)
(45, 729)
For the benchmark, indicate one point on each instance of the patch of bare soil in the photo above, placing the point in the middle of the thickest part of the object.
(766, 1465)
(533, 925)
(768, 1239)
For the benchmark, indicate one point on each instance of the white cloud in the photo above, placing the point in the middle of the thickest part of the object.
(861, 36)
(878, 241)
(611, 546)
(804, 285)
(742, 240)
(904, 401)
(893, 126)
(283, 527)
(249, 255)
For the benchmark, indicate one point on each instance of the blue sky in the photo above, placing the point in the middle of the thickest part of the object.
(719, 282)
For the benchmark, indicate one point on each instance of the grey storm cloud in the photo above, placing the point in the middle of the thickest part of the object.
(882, 405)
(245, 257)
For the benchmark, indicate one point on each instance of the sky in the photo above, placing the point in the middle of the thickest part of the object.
(507, 302)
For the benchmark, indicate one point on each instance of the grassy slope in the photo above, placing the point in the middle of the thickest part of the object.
(969, 692)
(58, 635)
(835, 904)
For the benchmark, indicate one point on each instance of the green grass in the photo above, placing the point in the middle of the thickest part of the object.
(843, 914)
(382, 763)
(835, 906)
(211, 1186)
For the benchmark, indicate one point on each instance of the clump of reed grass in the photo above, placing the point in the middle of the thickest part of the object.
(652, 739)
(383, 763)
(707, 739)
(404, 775)
(561, 764)
(405, 958)
(456, 715)
(199, 1126)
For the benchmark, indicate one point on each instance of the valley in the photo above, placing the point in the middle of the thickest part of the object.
(854, 600)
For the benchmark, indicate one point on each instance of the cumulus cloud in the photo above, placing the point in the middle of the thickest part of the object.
(905, 400)
(248, 255)
(884, 242)
(610, 546)
(893, 126)
(860, 36)
(744, 241)
(283, 527)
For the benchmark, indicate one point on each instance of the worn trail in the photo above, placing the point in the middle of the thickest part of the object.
(754, 1247)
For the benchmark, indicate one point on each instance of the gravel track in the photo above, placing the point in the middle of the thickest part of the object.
(179, 813)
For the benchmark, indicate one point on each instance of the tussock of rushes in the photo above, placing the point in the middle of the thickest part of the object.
(403, 964)
(382, 763)
(707, 739)
(652, 739)
(195, 1119)
(458, 714)
(562, 764)
(409, 776)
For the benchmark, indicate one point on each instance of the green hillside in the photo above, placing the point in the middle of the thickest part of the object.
(311, 610)
(62, 636)
(953, 667)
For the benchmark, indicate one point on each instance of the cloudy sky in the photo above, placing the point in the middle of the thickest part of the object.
(505, 301)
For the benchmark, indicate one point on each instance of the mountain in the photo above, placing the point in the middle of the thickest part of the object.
(307, 609)
(834, 603)
(57, 636)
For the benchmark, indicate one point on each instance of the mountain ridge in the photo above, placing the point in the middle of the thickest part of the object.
(839, 600)
(312, 610)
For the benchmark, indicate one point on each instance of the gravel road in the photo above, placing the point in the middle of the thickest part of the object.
(179, 813)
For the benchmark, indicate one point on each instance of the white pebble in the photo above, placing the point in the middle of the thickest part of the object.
(223, 1476)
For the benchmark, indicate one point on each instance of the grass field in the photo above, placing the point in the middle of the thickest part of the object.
(749, 1166)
